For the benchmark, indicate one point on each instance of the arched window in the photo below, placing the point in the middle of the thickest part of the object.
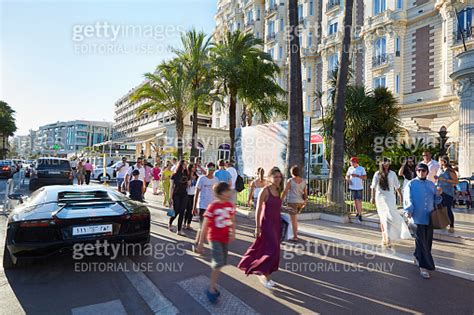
(200, 147)
(223, 152)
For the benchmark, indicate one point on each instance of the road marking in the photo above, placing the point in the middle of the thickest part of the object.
(228, 303)
(157, 302)
(113, 307)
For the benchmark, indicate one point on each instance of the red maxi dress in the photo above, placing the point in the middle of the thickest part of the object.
(263, 256)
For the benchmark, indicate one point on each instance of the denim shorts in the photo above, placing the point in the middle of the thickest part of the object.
(120, 182)
(356, 194)
(219, 252)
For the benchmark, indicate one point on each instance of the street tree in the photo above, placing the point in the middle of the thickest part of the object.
(231, 59)
(195, 57)
(336, 188)
(7, 126)
(168, 89)
(295, 151)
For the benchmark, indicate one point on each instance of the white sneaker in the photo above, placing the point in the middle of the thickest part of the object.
(270, 282)
(268, 285)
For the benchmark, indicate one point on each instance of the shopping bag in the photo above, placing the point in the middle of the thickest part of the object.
(171, 213)
(286, 227)
(439, 217)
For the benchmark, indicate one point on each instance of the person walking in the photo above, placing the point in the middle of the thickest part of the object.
(148, 174)
(174, 165)
(222, 174)
(420, 197)
(219, 228)
(263, 256)
(138, 166)
(178, 191)
(229, 166)
(80, 172)
(384, 186)
(199, 169)
(166, 180)
(295, 195)
(137, 187)
(121, 169)
(447, 179)
(191, 190)
(256, 187)
(355, 176)
(156, 173)
(433, 166)
(407, 170)
(88, 168)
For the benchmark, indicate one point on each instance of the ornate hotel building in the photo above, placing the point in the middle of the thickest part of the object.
(408, 46)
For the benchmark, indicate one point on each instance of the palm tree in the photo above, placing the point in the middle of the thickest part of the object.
(168, 89)
(336, 188)
(295, 151)
(7, 126)
(195, 57)
(230, 59)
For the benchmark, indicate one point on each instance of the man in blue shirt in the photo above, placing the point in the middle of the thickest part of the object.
(420, 197)
(222, 174)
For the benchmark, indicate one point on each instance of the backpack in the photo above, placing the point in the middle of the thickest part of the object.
(239, 184)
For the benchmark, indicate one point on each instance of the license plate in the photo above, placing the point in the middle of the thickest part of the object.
(54, 173)
(92, 229)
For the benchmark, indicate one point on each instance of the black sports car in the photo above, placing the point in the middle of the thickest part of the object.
(54, 218)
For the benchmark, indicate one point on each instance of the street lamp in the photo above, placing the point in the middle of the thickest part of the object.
(442, 140)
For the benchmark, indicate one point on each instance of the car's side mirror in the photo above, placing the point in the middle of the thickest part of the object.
(16, 196)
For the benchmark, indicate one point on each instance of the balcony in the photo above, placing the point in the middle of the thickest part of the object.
(381, 60)
(271, 9)
(332, 4)
(249, 23)
(271, 37)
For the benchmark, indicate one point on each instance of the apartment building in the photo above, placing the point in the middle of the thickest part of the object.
(70, 137)
(155, 135)
(268, 20)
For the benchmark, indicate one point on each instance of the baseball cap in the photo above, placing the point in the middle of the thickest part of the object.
(355, 159)
(422, 166)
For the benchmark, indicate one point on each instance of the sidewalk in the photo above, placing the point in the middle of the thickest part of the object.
(452, 258)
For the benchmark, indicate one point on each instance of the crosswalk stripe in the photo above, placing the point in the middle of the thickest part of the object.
(113, 307)
(157, 302)
(228, 303)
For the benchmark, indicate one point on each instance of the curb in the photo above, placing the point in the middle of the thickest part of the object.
(399, 257)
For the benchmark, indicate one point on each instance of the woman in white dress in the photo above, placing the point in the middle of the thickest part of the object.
(384, 186)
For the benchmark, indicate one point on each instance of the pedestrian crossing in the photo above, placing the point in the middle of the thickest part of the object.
(159, 304)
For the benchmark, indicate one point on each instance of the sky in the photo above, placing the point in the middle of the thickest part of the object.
(64, 60)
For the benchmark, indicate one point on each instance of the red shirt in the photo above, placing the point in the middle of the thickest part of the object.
(219, 215)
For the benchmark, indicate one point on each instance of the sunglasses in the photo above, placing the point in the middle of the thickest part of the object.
(423, 171)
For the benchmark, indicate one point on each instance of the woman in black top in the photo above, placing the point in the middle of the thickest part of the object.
(407, 170)
(179, 195)
(193, 177)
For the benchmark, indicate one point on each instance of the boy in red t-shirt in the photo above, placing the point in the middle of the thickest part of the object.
(219, 226)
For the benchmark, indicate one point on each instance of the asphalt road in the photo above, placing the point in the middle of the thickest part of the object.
(314, 277)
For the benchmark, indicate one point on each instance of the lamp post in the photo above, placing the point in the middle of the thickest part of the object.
(442, 140)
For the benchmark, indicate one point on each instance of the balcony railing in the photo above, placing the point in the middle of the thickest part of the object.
(272, 8)
(381, 59)
(332, 4)
(271, 36)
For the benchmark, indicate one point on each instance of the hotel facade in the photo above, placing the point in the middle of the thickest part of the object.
(408, 46)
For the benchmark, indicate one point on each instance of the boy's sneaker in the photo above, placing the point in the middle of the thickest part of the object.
(212, 297)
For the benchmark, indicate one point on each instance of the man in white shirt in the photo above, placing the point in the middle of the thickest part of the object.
(122, 169)
(139, 166)
(175, 164)
(233, 172)
(433, 166)
(355, 176)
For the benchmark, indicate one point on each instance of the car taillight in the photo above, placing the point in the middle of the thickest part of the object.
(5, 168)
(38, 223)
(136, 216)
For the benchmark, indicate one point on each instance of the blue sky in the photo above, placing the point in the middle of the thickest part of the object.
(63, 60)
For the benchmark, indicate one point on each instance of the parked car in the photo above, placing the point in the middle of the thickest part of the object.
(54, 218)
(98, 173)
(7, 168)
(51, 171)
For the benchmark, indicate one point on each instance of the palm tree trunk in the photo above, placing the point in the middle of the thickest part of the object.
(295, 151)
(194, 149)
(232, 121)
(336, 185)
(179, 135)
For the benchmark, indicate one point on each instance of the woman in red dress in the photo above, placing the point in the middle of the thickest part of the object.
(263, 256)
